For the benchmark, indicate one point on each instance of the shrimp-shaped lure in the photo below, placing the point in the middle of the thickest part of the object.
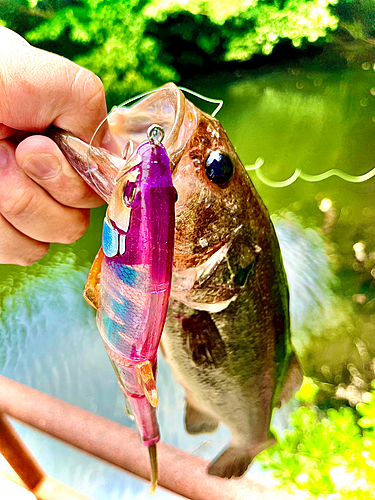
(130, 280)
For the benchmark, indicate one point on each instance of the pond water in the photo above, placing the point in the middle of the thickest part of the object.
(292, 119)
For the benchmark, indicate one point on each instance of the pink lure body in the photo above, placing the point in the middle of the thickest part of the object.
(136, 275)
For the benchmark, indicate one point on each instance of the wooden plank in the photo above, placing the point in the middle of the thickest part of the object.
(19, 466)
(179, 471)
(18, 456)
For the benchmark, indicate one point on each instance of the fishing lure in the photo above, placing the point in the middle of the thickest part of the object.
(130, 280)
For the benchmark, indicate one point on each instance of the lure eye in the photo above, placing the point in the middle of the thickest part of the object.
(219, 168)
(131, 194)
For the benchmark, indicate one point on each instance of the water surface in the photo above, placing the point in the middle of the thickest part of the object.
(292, 119)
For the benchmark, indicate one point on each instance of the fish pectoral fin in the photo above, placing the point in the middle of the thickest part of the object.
(234, 462)
(198, 422)
(292, 381)
(203, 340)
(147, 381)
(92, 287)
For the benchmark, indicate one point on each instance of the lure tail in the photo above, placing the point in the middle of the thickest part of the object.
(147, 382)
(145, 416)
(154, 467)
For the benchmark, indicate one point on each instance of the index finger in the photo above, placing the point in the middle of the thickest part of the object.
(38, 88)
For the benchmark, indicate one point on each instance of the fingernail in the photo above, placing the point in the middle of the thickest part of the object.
(3, 157)
(42, 166)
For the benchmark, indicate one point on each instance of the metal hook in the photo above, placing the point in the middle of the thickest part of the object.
(155, 134)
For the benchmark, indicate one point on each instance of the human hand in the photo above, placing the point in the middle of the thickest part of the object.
(42, 199)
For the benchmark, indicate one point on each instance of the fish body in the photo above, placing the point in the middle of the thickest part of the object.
(227, 335)
(227, 332)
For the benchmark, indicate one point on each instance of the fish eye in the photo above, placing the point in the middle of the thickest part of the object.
(219, 167)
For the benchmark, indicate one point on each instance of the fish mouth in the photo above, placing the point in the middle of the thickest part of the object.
(128, 127)
(167, 107)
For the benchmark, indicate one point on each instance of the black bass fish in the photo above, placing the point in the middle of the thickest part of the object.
(227, 334)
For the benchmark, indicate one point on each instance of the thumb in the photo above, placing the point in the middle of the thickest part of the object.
(39, 88)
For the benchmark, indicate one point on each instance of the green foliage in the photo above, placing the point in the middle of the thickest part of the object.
(111, 42)
(357, 17)
(20, 15)
(248, 27)
(134, 45)
(327, 453)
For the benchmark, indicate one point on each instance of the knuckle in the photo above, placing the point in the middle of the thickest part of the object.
(77, 229)
(18, 203)
(95, 89)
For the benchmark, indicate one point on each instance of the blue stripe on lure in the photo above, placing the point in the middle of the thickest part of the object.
(112, 241)
(129, 276)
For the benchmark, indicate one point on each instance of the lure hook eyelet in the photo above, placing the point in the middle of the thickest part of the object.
(155, 134)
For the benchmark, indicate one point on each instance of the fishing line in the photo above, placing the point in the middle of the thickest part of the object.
(115, 108)
(219, 103)
(298, 174)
